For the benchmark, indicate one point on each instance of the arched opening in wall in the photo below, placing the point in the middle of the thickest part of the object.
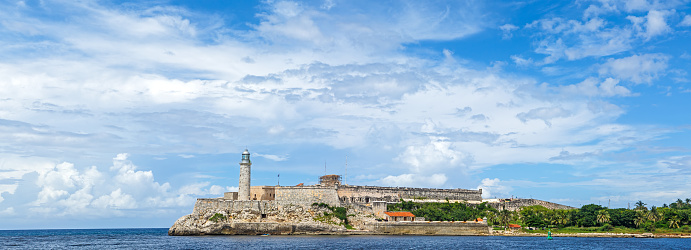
(366, 200)
(255, 197)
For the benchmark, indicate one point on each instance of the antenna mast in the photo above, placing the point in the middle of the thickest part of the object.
(346, 174)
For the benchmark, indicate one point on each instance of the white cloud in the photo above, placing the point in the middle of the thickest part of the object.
(637, 68)
(272, 157)
(652, 25)
(507, 30)
(575, 39)
(593, 87)
(438, 154)
(203, 188)
(359, 24)
(598, 33)
(656, 24)
(494, 188)
(66, 191)
(7, 212)
(546, 114)
(115, 200)
(415, 180)
(521, 61)
(686, 21)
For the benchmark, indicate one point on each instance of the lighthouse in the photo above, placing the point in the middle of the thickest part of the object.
(244, 188)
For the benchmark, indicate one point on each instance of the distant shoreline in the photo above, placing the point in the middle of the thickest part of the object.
(593, 235)
(367, 233)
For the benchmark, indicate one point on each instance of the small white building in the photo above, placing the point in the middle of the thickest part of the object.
(399, 216)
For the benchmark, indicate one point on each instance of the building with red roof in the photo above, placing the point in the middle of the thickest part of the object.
(400, 216)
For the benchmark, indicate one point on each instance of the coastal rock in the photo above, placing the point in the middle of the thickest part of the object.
(261, 218)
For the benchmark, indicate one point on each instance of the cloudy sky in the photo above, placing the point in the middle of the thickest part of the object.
(121, 114)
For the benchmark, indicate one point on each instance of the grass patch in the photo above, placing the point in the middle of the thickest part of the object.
(217, 217)
(338, 212)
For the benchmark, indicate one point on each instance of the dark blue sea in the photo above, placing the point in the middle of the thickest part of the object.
(157, 238)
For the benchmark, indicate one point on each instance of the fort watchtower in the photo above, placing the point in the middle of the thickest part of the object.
(330, 180)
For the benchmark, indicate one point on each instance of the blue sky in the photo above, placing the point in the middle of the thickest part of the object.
(121, 114)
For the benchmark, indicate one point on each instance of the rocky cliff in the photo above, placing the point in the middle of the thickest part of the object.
(219, 216)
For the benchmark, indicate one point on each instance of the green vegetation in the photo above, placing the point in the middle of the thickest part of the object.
(444, 211)
(217, 217)
(339, 212)
(674, 218)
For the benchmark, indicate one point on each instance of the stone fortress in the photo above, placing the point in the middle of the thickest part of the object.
(291, 209)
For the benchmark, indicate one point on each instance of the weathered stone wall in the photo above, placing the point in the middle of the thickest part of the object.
(244, 185)
(367, 194)
(517, 204)
(275, 228)
(428, 228)
(264, 193)
(378, 208)
(203, 206)
(230, 195)
(306, 195)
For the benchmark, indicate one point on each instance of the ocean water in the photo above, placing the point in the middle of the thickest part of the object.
(157, 238)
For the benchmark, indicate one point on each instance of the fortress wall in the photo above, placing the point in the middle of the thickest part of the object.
(358, 208)
(306, 195)
(429, 228)
(366, 194)
(517, 204)
(216, 204)
(264, 193)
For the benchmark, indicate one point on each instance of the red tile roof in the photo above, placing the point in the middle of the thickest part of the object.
(514, 226)
(400, 214)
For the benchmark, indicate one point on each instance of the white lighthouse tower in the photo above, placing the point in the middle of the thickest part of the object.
(244, 188)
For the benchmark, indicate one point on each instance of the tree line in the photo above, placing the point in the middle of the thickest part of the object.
(674, 215)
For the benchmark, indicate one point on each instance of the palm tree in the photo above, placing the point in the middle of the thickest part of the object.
(674, 222)
(688, 201)
(640, 218)
(504, 217)
(602, 216)
(564, 220)
(640, 206)
(677, 204)
(556, 218)
(492, 217)
(654, 215)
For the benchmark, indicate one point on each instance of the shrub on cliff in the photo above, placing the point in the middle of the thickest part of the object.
(339, 212)
(217, 217)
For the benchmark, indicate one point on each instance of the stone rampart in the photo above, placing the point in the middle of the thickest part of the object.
(306, 195)
(428, 228)
(516, 204)
(367, 194)
(218, 204)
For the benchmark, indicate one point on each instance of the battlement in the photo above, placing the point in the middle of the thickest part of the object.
(516, 204)
(367, 194)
